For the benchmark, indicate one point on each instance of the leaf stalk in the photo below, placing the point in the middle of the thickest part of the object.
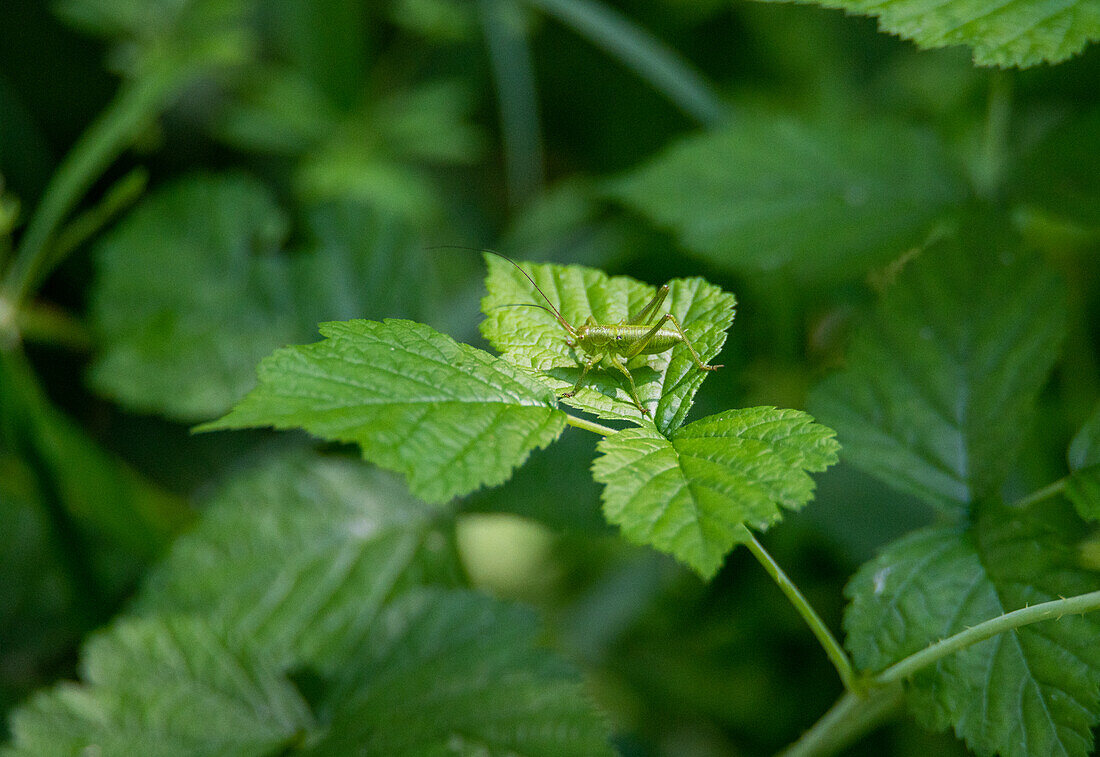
(832, 647)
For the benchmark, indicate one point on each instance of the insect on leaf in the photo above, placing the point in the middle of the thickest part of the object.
(532, 338)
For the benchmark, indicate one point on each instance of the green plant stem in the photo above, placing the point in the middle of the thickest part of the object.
(824, 636)
(587, 425)
(1056, 608)
(135, 105)
(852, 716)
(1040, 494)
(855, 714)
(643, 53)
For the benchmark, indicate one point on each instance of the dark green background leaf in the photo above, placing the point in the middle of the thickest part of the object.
(190, 352)
(942, 378)
(190, 295)
(458, 673)
(160, 687)
(822, 200)
(1034, 690)
(348, 538)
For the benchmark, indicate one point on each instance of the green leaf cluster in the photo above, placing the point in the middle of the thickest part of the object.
(452, 418)
(356, 642)
(912, 240)
(937, 400)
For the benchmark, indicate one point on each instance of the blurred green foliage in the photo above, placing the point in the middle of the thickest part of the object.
(187, 185)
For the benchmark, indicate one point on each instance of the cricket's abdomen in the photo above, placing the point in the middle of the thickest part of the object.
(623, 339)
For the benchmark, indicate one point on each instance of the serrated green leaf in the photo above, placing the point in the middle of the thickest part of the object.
(694, 494)
(414, 400)
(348, 539)
(189, 296)
(1031, 691)
(160, 687)
(942, 378)
(532, 338)
(457, 673)
(821, 200)
(1022, 33)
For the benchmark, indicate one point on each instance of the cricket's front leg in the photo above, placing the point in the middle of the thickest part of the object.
(580, 379)
(614, 360)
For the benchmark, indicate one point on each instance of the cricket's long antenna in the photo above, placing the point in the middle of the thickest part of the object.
(557, 314)
(522, 305)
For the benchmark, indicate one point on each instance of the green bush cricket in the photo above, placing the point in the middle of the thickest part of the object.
(617, 342)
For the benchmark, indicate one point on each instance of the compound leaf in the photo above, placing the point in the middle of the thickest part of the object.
(533, 339)
(1021, 33)
(1031, 691)
(457, 673)
(164, 687)
(821, 200)
(414, 400)
(694, 493)
(348, 538)
(941, 380)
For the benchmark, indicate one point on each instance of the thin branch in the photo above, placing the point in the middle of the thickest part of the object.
(587, 425)
(824, 636)
(1016, 619)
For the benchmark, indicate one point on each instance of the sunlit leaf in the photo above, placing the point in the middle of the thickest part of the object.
(1021, 33)
(694, 494)
(532, 338)
(448, 416)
